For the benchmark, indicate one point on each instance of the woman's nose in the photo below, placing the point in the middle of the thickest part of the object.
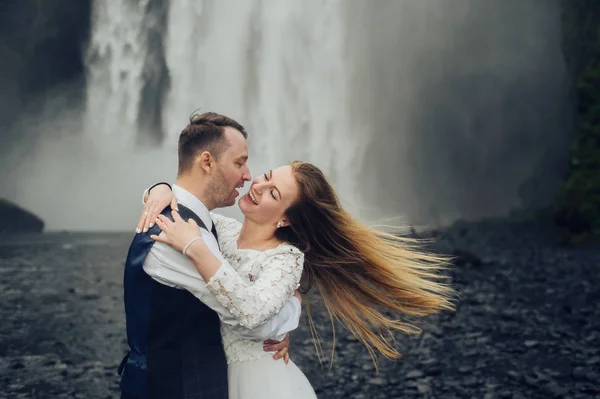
(258, 186)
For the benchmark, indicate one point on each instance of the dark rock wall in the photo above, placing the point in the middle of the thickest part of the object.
(42, 45)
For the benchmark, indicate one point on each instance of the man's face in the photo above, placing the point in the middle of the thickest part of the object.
(231, 170)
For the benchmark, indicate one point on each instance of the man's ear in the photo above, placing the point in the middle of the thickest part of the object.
(206, 161)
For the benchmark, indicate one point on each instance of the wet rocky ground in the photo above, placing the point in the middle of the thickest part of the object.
(527, 324)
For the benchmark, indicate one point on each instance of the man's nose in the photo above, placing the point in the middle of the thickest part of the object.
(246, 176)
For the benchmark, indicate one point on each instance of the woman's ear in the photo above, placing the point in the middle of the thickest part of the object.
(283, 223)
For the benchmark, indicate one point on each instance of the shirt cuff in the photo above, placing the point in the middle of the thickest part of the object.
(297, 309)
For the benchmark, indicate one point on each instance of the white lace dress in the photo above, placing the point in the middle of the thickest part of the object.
(255, 288)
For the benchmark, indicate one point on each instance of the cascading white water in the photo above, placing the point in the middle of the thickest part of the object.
(279, 68)
(116, 57)
(430, 110)
(263, 63)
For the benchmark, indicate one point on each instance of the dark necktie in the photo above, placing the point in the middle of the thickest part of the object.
(214, 231)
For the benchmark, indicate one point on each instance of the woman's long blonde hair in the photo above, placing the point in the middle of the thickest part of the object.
(360, 271)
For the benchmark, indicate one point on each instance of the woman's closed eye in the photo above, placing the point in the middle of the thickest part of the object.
(272, 190)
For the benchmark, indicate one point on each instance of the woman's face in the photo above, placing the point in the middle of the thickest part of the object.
(270, 195)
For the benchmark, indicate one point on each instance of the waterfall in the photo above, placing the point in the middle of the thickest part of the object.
(279, 67)
(429, 110)
(263, 63)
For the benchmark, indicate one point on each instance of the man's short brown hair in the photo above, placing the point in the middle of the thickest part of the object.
(204, 133)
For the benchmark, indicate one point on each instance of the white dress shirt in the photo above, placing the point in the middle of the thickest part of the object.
(170, 267)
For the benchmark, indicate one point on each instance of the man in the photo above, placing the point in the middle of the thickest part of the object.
(173, 322)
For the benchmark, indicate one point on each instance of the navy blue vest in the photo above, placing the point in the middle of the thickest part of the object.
(175, 343)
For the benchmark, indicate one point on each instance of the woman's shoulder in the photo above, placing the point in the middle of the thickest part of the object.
(287, 258)
(284, 251)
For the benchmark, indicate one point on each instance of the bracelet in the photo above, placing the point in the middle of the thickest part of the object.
(190, 243)
(158, 184)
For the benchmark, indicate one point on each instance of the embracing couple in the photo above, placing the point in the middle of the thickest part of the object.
(210, 301)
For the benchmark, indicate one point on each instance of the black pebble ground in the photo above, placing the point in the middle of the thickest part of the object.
(527, 324)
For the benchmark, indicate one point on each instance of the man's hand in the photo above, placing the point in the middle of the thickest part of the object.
(281, 347)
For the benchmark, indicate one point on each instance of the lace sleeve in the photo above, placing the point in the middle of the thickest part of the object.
(253, 303)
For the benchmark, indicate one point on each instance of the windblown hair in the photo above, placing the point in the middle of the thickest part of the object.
(359, 271)
(204, 133)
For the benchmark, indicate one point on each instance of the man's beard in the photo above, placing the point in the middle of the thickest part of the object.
(218, 191)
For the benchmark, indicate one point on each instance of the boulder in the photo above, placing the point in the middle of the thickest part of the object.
(14, 219)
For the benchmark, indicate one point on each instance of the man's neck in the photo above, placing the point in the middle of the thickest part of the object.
(197, 190)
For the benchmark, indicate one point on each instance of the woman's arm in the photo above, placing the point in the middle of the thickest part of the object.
(256, 302)
(156, 198)
(252, 303)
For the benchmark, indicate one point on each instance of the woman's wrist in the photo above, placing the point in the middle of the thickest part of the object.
(147, 191)
(196, 249)
(184, 251)
(205, 262)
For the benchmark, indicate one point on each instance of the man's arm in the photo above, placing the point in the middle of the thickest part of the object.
(170, 267)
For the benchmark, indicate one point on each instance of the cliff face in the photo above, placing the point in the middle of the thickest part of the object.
(41, 46)
(581, 20)
(577, 208)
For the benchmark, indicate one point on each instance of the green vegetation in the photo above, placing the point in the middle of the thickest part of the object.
(577, 209)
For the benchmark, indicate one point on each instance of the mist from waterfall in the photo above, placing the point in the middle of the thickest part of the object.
(430, 110)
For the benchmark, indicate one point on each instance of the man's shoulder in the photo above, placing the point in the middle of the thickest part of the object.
(186, 213)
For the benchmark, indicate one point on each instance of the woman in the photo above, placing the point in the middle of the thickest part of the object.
(296, 233)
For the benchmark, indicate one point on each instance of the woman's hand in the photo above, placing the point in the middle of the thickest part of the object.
(158, 199)
(178, 233)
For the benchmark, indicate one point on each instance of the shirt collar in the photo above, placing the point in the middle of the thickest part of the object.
(188, 199)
